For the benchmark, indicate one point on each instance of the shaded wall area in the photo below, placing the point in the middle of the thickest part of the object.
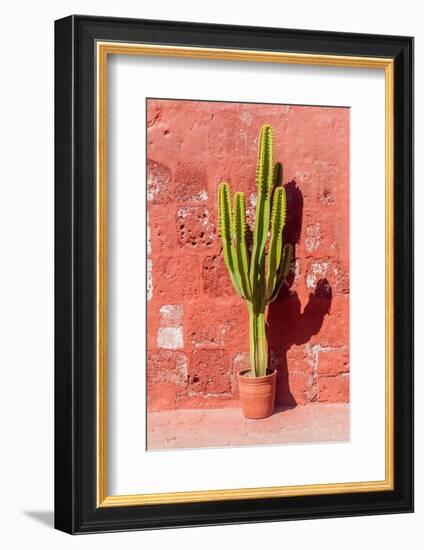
(197, 336)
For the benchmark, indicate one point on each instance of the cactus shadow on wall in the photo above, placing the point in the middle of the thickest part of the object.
(287, 324)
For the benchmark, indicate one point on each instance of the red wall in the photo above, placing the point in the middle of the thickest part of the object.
(197, 326)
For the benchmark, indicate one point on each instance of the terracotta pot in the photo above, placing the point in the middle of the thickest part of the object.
(257, 394)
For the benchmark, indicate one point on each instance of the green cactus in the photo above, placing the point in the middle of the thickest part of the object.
(257, 277)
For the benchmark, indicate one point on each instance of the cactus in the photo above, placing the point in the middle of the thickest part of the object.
(257, 277)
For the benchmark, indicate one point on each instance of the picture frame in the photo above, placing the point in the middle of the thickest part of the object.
(83, 45)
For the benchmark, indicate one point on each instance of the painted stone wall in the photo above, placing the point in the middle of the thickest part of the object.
(197, 326)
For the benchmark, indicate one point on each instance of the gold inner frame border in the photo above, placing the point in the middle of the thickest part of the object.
(103, 50)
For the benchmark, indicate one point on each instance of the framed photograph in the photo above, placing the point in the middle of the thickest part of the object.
(234, 274)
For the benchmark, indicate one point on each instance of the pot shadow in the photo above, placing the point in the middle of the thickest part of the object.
(287, 324)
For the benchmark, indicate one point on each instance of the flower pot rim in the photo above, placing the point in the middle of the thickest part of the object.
(242, 375)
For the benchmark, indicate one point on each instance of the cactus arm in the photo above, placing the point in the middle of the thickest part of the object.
(238, 244)
(277, 178)
(278, 219)
(264, 178)
(286, 261)
(224, 211)
(277, 174)
(283, 270)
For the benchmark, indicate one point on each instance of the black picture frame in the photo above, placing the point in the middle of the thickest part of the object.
(76, 510)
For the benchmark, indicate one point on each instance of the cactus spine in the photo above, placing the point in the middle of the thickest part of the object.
(257, 277)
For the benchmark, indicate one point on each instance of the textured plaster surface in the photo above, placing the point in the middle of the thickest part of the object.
(197, 327)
